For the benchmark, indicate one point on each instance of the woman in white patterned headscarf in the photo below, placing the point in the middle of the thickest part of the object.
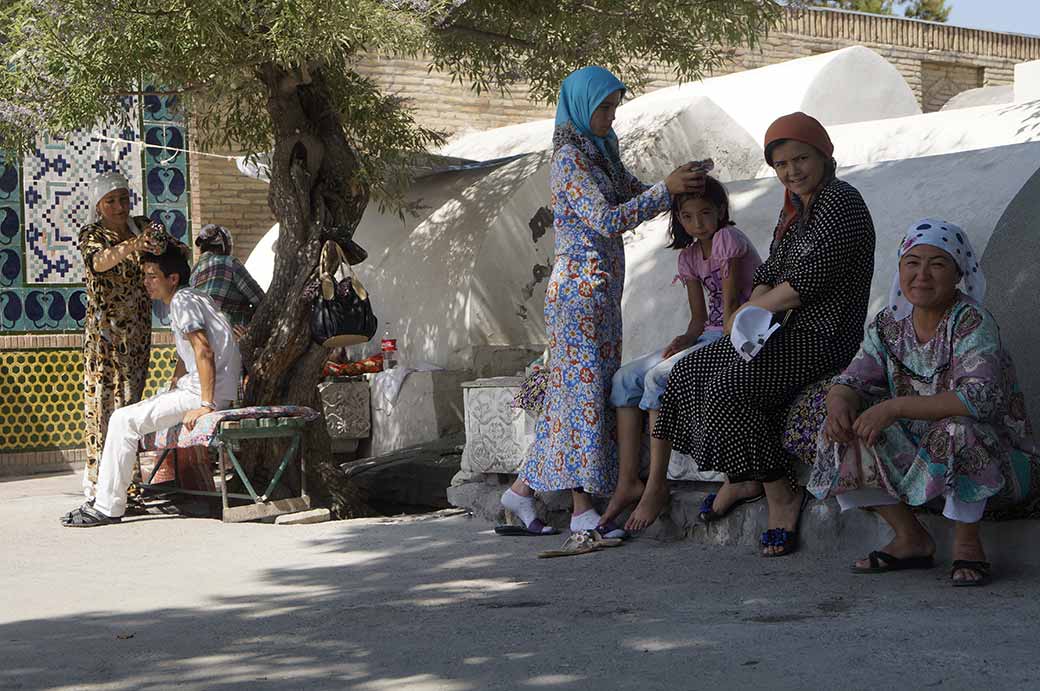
(118, 329)
(929, 411)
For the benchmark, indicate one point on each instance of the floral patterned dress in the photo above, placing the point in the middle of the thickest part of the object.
(118, 334)
(987, 455)
(593, 205)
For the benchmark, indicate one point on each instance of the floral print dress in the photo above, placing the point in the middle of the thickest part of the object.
(987, 455)
(575, 444)
(118, 334)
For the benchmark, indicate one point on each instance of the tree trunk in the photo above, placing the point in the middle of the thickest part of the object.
(316, 196)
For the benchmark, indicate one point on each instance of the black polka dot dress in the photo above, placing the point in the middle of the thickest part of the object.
(727, 413)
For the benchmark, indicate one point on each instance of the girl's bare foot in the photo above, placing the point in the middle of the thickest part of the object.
(648, 509)
(626, 494)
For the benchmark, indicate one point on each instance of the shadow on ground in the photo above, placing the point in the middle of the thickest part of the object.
(442, 603)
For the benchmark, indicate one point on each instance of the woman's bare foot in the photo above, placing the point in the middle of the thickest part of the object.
(916, 544)
(967, 546)
(732, 492)
(626, 494)
(783, 513)
(648, 509)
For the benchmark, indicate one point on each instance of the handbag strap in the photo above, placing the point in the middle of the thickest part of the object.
(332, 259)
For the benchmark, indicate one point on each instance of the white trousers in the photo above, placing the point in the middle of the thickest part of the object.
(125, 429)
(955, 509)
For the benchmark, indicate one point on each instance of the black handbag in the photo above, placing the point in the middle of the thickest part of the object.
(342, 314)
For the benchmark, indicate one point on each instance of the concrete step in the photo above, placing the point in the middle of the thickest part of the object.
(825, 530)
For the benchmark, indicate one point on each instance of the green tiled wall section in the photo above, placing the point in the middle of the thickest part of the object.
(41, 396)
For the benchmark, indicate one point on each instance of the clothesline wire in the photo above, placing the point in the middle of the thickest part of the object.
(139, 142)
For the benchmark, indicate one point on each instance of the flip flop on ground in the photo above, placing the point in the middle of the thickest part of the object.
(882, 562)
(581, 542)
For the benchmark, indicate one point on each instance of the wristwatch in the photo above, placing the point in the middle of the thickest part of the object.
(207, 404)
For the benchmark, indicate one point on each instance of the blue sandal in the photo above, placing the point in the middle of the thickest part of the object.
(708, 514)
(786, 540)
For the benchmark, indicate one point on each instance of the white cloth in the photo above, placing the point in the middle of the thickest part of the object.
(190, 311)
(125, 429)
(954, 508)
(954, 241)
(386, 385)
(101, 185)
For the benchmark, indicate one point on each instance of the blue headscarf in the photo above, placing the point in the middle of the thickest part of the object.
(581, 92)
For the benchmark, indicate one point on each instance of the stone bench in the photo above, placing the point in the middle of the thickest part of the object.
(498, 435)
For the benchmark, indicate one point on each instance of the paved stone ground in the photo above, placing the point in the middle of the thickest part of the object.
(439, 602)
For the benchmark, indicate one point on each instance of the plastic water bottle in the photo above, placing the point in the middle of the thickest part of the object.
(389, 348)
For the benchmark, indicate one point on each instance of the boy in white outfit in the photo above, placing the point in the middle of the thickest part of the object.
(206, 379)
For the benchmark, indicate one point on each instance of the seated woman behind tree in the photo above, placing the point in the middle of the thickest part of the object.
(224, 278)
(929, 410)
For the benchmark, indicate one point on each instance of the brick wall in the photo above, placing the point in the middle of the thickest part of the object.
(941, 81)
(223, 195)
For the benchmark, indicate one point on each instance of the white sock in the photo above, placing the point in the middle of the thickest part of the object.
(585, 521)
(522, 506)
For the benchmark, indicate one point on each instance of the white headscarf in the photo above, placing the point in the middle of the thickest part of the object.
(101, 185)
(954, 241)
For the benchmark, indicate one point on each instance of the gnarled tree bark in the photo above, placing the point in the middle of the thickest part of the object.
(316, 196)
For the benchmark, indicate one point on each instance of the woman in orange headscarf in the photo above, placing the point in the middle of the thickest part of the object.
(725, 410)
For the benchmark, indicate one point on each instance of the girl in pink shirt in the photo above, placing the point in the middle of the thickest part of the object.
(716, 261)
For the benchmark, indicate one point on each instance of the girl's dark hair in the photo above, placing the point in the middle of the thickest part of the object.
(713, 192)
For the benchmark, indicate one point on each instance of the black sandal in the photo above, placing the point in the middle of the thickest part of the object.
(708, 514)
(787, 540)
(983, 568)
(87, 516)
(880, 562)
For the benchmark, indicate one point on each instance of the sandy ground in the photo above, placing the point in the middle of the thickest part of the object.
(440, 602)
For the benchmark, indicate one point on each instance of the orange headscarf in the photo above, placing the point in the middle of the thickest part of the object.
(801, 128)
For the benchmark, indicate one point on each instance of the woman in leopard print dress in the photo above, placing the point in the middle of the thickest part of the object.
(118, 329)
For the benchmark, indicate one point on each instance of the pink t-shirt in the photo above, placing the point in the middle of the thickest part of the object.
(727, 244)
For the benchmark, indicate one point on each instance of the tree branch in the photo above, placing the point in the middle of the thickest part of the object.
(483, 35)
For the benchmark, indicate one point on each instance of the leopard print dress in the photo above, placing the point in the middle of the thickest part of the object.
(117, 338)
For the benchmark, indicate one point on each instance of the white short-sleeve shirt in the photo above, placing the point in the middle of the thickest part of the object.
(192, 311)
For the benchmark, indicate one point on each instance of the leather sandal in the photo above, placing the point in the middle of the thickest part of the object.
(982, 568)
(881, 562)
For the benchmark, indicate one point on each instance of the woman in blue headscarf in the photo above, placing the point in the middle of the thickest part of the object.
(595, 199)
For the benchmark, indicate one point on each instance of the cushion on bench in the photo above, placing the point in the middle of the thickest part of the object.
(205, 429)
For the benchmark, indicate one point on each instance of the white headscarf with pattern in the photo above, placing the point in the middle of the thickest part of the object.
(954, 241)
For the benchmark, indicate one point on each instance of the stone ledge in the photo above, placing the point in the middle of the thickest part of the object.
(825, 529)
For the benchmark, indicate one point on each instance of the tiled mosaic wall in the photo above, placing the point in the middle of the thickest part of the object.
(43, 204)
(41, 396)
